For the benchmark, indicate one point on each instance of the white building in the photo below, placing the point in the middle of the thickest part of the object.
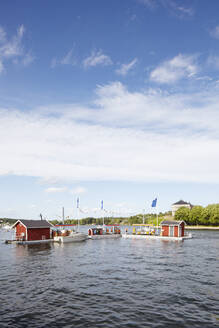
(179, 204)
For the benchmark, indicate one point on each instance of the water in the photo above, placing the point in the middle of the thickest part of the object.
(111, 283)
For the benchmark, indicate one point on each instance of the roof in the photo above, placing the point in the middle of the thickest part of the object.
(34, 224)
(171, 222)
(181, 202)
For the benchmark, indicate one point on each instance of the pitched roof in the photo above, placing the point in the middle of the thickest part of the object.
(181, 202)
(34, 223)
(171, 222)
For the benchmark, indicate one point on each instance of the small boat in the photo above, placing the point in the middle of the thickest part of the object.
(105, 231)
(67, 235)
(6, 227)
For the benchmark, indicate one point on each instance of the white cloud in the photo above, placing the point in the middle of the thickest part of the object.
(55, 189)
(213, 61)
(129, 136)
(28, 59)
(185, 11)
(1, 67)
(149, 3)
(215, 32)
(13, 49)
(79, 190)
(2, 35)
(97, 58)
(170, 5)
(68, 59)
(125, 68)
(181, 66)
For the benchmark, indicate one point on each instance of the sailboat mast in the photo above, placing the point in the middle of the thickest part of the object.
(78, 212)
(63, 216)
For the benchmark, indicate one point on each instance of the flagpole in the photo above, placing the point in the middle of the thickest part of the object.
(102, 211)
(78, 212)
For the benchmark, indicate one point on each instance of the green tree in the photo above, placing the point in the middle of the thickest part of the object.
(183, 213)
(195, 215)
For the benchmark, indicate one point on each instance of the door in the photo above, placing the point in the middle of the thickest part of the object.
(171, 231)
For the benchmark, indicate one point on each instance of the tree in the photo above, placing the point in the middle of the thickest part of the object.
(195, 215)
(183, 214)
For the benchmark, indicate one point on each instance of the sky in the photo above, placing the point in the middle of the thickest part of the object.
(108, 100)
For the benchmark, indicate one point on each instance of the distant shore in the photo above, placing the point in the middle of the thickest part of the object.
(201, 228)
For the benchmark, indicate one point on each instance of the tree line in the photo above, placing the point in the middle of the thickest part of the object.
(198, 215)
(135, 219)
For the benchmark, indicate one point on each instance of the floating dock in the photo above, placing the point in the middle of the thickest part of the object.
(29, 242)
(154, 237)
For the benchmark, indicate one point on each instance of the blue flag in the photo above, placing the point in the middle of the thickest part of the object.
(101, 204)
(154, 203)
(78, 202)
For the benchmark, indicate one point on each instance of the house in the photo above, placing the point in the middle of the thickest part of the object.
(171, 228)
(180, 203)
(33, 230)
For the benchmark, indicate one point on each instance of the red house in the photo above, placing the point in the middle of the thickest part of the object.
(32, 230)
(171, 228)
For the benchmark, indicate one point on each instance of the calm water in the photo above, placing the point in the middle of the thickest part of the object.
(111, 283)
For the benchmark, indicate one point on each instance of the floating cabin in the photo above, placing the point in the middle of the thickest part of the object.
(32, 230)
(171, 228)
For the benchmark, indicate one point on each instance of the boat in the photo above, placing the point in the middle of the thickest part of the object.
(65, 234)
(6, 227)
(105, 231)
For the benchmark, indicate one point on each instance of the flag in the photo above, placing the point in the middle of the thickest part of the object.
(101, 204)
(78, 202)
(154, 203)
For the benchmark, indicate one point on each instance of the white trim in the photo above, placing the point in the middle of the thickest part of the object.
(18, 221)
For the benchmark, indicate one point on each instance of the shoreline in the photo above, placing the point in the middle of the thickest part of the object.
(201, 228)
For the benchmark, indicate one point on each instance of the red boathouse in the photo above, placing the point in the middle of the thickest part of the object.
(171, 228)
(32, 230)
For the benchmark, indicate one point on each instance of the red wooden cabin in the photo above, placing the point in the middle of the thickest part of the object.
(171, 228)
(32, 230)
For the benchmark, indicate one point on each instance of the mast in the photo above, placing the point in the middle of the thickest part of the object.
(63, 216)
(102, 211)
(78, 211)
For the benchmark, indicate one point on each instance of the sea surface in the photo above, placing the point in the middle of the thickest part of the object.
(111, 283)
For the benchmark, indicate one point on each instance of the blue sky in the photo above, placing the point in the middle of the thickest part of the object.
(114, 100)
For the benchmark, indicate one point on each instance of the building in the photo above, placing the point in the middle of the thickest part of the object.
(32, 230)
(179, 204)
(171, 228)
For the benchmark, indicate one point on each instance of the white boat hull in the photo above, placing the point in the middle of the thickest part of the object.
(109, 236)
(76, 237)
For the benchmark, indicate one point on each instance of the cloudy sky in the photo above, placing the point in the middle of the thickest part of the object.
(114, 100)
